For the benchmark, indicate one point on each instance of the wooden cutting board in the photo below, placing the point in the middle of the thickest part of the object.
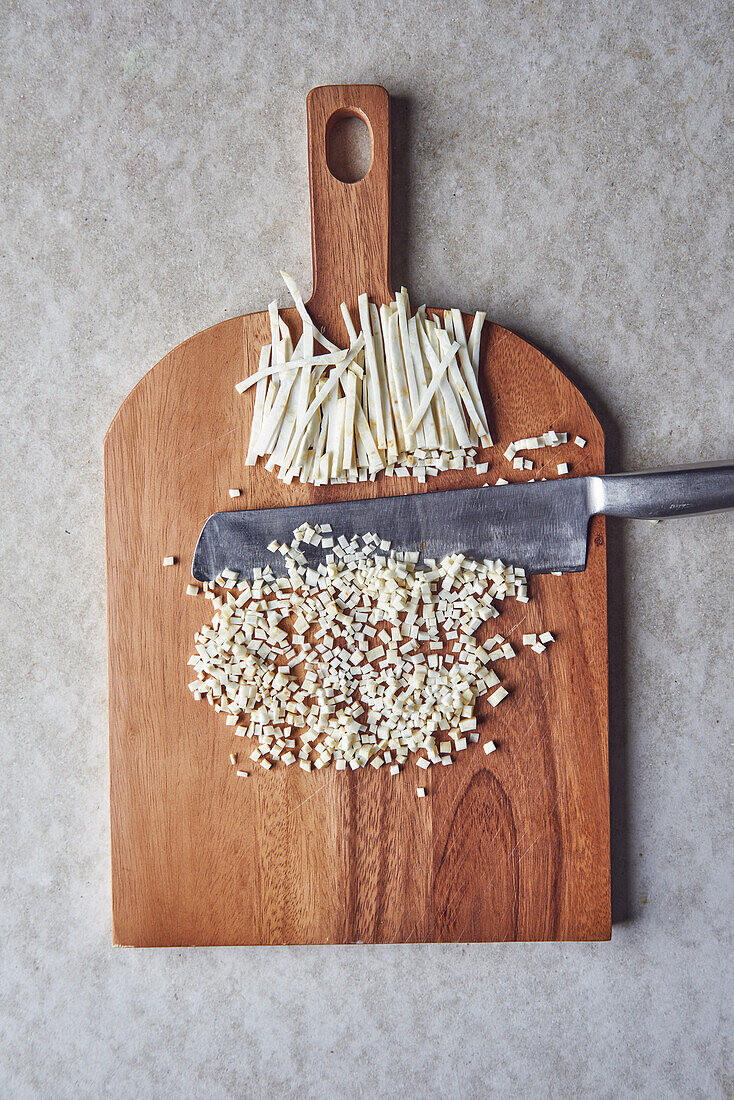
(514, 846)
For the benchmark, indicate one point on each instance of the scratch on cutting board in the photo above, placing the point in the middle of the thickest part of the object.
(295, 809)
(517, 626)
(300, 805)
(211, 442)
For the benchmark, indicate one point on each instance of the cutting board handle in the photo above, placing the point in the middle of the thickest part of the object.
(350, 222)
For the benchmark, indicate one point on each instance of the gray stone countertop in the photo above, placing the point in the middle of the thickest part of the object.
(566, 166)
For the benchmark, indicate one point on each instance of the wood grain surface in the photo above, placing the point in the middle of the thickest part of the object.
(511, 846)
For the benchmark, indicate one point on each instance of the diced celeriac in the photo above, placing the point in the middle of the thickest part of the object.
(497, 696)
(362, 660)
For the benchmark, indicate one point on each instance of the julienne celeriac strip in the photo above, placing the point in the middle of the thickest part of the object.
(402, 398)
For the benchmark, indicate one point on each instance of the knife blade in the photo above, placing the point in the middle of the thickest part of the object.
(541, 526)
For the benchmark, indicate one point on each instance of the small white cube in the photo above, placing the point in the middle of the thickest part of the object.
(234, 492)
(489, 747)
(562, 467)
(498, 695)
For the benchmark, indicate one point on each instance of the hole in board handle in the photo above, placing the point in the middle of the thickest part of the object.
(348, 145)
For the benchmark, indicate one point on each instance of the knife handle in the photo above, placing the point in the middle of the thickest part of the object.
(350, 222)
(661, 494)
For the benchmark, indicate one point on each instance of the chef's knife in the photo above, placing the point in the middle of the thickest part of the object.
(539, 525)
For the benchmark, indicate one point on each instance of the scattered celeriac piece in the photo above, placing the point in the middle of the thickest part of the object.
(234, 493)
(169, 561)
(260, 392)
(470, 378)
(475, 339)
(410, 367)
(303, 313)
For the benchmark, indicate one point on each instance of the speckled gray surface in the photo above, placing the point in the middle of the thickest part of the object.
(564, 166)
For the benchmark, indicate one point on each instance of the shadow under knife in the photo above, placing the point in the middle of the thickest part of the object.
(400, 215)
